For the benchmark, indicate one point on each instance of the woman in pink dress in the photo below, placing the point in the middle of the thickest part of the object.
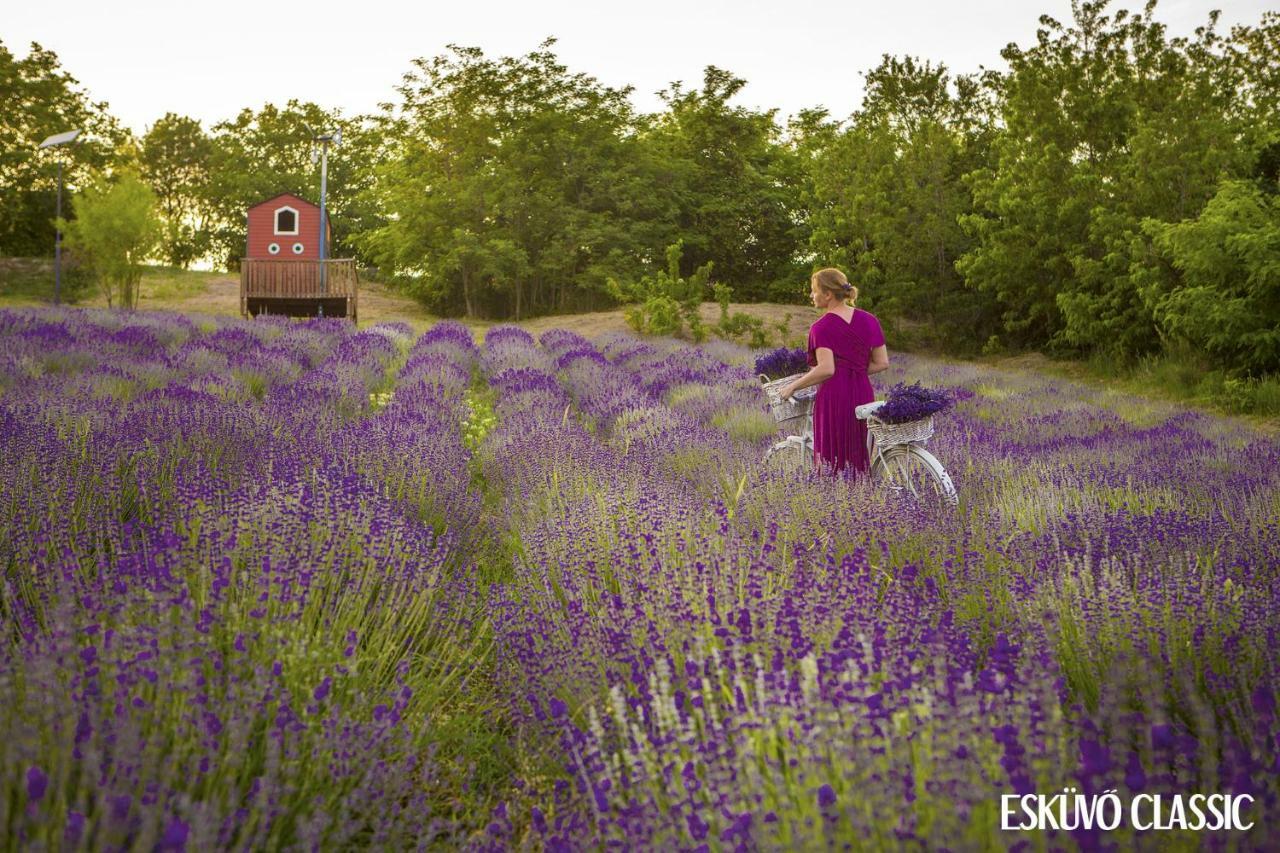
(846, 346)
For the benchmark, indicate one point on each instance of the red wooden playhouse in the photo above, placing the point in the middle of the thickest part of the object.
(282, 271)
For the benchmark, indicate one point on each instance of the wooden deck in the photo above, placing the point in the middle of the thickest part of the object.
(299, 288)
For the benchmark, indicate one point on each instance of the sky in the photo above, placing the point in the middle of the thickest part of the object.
(210, 60)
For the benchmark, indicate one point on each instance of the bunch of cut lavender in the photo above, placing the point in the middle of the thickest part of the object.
(782, 362)
(912, 403)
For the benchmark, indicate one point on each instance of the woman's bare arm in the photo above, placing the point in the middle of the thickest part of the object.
(879, 360)
(825, 370)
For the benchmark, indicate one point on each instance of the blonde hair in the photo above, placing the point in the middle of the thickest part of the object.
(834, 282)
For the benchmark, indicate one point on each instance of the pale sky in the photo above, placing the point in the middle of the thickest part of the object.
(209, 60)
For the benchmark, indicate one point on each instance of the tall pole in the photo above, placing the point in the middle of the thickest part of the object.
(324, 179)
(53, 141)
(57, 242)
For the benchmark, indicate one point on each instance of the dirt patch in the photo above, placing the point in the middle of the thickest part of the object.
(381, 305)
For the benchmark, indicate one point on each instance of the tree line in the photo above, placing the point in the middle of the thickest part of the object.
(1113, 192)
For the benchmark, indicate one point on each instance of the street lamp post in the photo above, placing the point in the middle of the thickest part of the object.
(324, 140)
(52, 141)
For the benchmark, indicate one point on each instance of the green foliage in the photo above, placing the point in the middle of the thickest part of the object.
(1107, 122)
(259, 154)
(887, 194)
(1225, 296)
(175, 159)
(731, 177)
(115, 230)
(479, 421)
(40, 99)
(666, 303)
(27, 280)
(738, 325)
(1187, 374)
(514, 187)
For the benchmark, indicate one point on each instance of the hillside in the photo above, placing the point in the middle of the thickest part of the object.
(25, 282)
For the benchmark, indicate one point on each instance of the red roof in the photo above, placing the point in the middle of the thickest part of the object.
(291, 196)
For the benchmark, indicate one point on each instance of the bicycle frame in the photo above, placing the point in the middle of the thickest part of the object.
(803, 442)
(805, 437)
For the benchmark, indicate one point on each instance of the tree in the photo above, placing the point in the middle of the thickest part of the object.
(511, 187)
(174, 159)
(888, 195)
(1107, 122)
(733, 180)
(116, 228)
(257, 155)
(1225, 296)
(40, 99)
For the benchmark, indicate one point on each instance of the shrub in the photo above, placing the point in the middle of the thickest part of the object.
(115, 229)
(664, 304)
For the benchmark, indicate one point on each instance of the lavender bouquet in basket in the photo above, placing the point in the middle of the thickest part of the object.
(912, 403)
(782, 362)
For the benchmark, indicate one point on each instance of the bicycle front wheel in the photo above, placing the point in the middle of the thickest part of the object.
(915, 473)
(790, 457)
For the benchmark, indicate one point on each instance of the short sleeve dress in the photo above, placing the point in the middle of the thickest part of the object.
(839, 438)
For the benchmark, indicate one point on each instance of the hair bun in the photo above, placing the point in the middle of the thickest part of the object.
(847, 287)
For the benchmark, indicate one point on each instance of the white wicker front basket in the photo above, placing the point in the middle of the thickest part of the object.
(789, 414)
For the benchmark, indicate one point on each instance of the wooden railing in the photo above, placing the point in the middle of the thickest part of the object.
(297, 279)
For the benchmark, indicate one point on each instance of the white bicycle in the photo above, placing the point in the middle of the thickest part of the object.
(897, 453)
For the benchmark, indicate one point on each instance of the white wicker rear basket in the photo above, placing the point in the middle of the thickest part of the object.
(887, 435)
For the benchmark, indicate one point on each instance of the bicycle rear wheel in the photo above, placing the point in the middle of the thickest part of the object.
(792, 456)
(915, 473)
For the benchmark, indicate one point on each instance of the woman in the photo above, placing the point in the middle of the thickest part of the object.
(845, 347)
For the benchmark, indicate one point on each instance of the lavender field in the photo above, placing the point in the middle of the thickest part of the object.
(276, 585)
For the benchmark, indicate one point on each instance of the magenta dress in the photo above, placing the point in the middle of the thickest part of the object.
(839, 438)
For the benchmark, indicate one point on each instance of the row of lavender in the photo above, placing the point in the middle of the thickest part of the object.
(247, 600)
(236, 595)
(793, 663)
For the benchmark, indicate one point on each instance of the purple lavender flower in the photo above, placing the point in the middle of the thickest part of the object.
(175, 835)
(37, 782)
(74, 830)
(913, 402)
(782, 362)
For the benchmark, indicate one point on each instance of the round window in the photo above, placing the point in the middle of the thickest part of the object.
(274, 248)
(297, 248)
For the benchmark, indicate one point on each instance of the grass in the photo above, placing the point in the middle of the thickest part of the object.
(1170, 378)
(30, 281)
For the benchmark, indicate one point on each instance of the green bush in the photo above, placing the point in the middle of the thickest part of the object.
(738, 325)
(1249, 396)
(664, 304)
(1223, 299)
(1266, 396)
(115, 229)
